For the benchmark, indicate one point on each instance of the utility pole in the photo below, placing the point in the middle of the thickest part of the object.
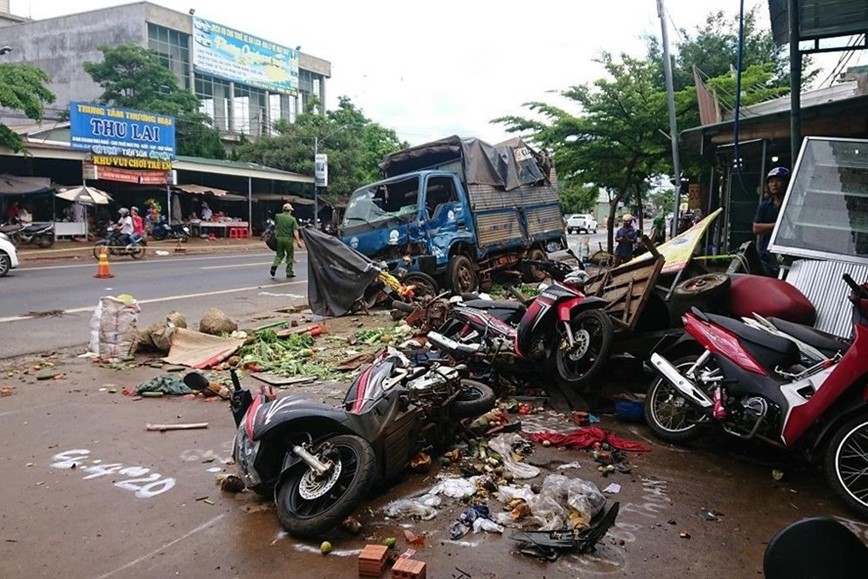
(673, 128)
(315, 187)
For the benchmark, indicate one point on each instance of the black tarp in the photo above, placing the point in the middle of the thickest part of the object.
(507, 165)
(337, 274)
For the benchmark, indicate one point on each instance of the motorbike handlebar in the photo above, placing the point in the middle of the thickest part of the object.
(236, 383)
(857, 289)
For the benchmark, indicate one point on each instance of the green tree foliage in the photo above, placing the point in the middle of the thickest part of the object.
(22, 88)
(354, 144)
(578, 197)
(134, 77)
(618, 141)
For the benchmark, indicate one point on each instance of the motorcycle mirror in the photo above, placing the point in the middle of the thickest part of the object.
(196, 381)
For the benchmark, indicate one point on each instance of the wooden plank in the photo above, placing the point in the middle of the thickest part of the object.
(627, 288)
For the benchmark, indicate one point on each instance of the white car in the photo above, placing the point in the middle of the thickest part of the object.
(581, 222)
(8, 255)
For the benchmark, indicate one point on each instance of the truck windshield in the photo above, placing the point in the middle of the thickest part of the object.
(377, 203)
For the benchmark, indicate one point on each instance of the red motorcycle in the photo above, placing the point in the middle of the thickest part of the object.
(756, 385)
(562, 329)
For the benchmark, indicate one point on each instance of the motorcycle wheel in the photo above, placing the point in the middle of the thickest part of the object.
(15, 238)
(593, 336)
(846, 464)
(308, 507)
(158, 234)
(668, 414)
(138, 252)
(98, 247)
(45, 241)
(475, 398)
(425, 284)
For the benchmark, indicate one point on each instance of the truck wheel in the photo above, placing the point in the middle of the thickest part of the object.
(531, 273)
(461, 276)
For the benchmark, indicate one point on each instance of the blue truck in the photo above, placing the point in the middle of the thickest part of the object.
(460, 210)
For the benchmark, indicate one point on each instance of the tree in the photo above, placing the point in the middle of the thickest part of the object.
(354, 144)
(617, 142)
(578, 197)
(134, 77)
(713, 49)
(22, 88)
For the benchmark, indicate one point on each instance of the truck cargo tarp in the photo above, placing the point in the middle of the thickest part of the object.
(507, 165)
(337, 275)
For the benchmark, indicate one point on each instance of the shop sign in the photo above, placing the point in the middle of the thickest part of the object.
(236, 56)
(91, 171)
(321, 170)
(132, 163)
(117, 132)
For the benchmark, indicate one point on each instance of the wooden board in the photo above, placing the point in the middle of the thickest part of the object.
(626, 289)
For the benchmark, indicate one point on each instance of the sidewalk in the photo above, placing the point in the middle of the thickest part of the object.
(80, 249)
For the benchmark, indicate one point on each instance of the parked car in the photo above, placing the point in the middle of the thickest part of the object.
(8, 255)
(581, 222)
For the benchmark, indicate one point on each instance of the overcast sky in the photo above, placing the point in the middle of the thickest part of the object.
(432, 69)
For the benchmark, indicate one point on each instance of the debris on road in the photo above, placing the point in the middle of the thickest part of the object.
(165, 427)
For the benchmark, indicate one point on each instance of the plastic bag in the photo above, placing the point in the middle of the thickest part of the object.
(409, 508)
(456, 488)
(482, 524)
(565, 501)
(113, 327)
(502, 444)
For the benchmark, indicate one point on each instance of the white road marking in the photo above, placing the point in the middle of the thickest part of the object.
(163, 547)
(86, 309)
(236, 266)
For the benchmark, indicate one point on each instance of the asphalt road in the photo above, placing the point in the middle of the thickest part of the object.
(48, 307)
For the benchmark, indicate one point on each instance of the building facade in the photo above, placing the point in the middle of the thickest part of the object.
(186, 44)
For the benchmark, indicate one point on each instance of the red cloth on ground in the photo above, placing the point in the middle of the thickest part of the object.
(586, 437)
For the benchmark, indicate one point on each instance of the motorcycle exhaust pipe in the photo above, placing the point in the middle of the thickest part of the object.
(451, 345)
(687, 388)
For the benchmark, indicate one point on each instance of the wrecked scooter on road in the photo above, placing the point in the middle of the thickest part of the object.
(318, 462)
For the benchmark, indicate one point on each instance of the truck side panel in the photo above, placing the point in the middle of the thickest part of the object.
(517, 217)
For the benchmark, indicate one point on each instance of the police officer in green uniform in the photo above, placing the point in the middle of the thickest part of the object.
(286, 231)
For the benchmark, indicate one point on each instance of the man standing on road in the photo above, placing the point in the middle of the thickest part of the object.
(286, 230)
(625, 237)
(767, 214)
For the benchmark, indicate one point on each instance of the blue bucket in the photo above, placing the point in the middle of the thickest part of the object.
(630, 410)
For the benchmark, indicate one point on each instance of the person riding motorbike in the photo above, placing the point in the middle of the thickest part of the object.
(138, 225)
(124, 227)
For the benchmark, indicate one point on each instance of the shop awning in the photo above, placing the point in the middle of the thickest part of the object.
(294, 199)
(15, 185)
(201, 190)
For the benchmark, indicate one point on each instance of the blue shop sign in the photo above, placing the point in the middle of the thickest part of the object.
(114, 131)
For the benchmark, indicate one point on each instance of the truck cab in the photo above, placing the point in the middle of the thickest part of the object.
(410, 220)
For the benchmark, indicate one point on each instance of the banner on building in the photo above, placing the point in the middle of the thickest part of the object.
(138, 177)
(132, 163)
(321, 170)
(117, 132)
(233, 55)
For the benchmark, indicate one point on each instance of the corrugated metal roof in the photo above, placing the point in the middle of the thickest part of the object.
(821, 283)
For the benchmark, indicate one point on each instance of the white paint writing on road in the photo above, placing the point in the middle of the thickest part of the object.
(144, 485)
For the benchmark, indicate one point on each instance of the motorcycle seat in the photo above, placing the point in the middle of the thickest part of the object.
(828, 344)
(768, 349)
(495, 305)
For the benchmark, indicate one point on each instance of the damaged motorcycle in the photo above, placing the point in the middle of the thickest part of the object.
(756, 385)
(318, 462)
(565, 331)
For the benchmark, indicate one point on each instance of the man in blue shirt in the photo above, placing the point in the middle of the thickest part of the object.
(767, 214)
(625, 237)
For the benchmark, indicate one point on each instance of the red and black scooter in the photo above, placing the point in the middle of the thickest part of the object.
(318, 462)
(755, 385)
(561, 329)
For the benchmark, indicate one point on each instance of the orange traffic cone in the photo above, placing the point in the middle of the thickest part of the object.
(102, 270)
